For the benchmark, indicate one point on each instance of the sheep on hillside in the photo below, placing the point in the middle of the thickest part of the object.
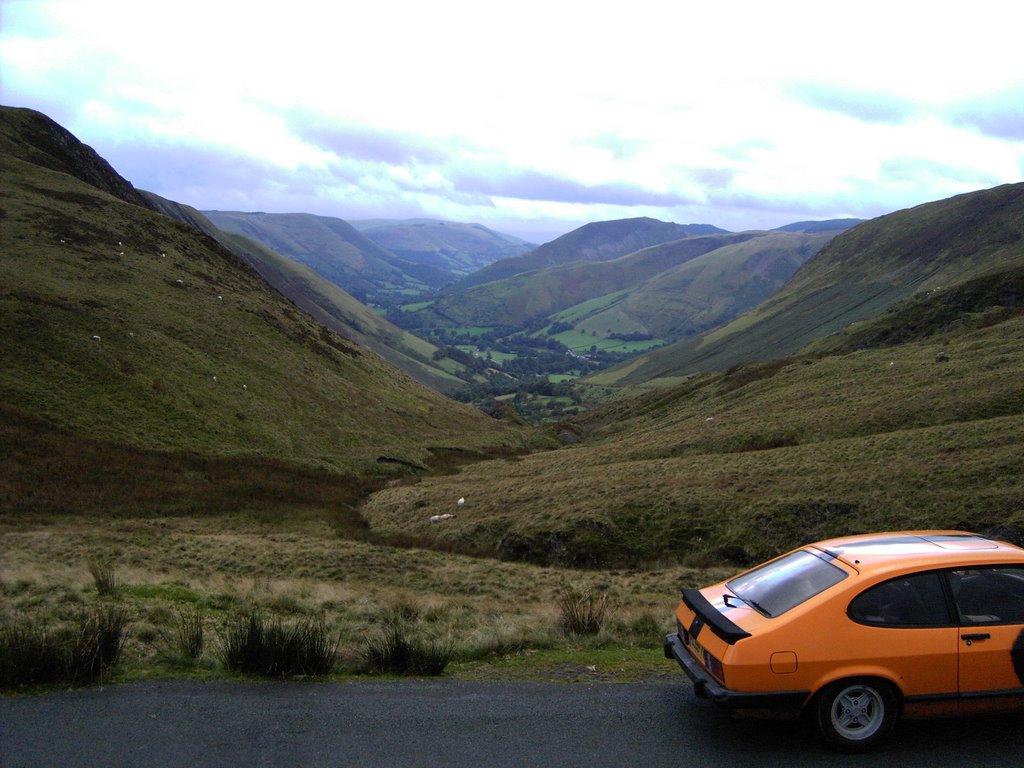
(440, 518)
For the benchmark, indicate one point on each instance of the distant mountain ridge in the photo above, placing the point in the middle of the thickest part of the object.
(380, 262)
(597, 241)
(454, 248)
(332, 248)
(827, 225)
(324, 300)
(658, 294)
(861, 273)
(526, 296)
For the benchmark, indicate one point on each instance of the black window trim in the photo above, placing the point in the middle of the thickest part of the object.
(961, 621)
(952, 607)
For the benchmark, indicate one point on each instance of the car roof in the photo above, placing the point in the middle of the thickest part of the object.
(883, 551)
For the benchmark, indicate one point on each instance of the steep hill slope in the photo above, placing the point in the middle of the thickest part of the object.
(452, 247)
(858, 275)
(744, 465)
(712, 289)
(828, 225)
(666, 291)
(517, 300)
(597, 241)
(337, 251)
(325, 301)
(120, 325)
(34, 138)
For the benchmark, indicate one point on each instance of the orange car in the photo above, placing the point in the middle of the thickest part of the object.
(858, 631)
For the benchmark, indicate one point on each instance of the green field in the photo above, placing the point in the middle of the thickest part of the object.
(580, 311)
(582, 342)
(417, 306)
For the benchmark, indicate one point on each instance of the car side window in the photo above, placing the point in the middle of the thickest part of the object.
(989, 595)
(917, 600)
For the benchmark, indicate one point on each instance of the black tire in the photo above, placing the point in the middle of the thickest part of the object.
(855, 715)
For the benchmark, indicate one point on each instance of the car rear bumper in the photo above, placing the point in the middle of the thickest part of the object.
(707, 687)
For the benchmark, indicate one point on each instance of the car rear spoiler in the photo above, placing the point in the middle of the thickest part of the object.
(718, 623)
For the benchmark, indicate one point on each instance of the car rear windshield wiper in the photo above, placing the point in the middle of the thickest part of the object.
(752, 603)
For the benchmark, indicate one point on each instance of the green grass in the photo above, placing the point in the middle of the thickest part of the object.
(578, 341)
(222, 571)
(172, 593)
(471, 331)
(858, 276)
(216, 364)
(417, 306)
(745, 464)
(586, 308)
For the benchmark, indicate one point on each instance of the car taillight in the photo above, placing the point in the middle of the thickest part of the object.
(715, 667)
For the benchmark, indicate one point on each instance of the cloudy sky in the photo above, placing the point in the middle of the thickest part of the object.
(534, 117)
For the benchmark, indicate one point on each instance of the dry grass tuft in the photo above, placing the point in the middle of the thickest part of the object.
(581, 612)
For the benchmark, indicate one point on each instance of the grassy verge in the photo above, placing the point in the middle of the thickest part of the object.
(195, 591)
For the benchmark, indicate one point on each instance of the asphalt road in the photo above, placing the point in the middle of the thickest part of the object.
(442, 723)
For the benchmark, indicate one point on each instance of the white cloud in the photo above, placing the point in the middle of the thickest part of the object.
(737, 115)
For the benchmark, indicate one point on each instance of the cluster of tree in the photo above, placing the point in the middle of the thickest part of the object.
(637, 336)
(534, 401)
(526, 360)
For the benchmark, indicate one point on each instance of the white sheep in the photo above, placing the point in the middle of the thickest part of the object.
(440, 518)
(95, 338)
(460, 502)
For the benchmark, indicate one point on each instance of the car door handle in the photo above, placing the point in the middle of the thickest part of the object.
(970, 638)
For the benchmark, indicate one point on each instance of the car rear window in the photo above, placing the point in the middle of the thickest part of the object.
(783, 584)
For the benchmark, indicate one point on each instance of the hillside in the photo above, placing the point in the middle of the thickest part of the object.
(126, 332)
(326, 302)
(743, 465)
(452, 247)
(666, 291)
(337, 251)
(517, 300)
(828, 225)
(911, 418)
(860, 274)
(597, 241)
(712, 289)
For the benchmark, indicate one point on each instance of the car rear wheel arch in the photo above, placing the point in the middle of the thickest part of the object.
(854, 714)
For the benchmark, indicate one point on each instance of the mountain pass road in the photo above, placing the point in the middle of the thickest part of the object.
(442, 723)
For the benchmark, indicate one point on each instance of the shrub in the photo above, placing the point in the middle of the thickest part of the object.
(97, 643)
(30, 654)
(190, 640)
(105, 579)
(256, 645)
(581, 612)
(395, 652)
